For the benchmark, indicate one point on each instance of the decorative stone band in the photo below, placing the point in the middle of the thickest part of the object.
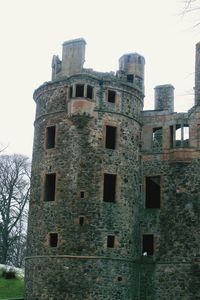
(143, 261)
(79, 257)
(117, 113)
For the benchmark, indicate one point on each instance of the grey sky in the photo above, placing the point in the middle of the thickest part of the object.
(33, 30)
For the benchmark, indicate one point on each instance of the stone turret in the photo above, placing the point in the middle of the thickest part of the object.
(131, 66)
(164, 97)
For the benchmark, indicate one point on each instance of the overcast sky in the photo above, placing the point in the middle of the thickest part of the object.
(33, 30)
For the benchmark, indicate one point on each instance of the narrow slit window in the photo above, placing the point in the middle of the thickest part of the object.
(171, 136)
(80, 90)
(152, 192)
(185, 135)
(111, 96)
(71, 91)
(148, 245)
(110, 137)
(81, 221)
(109, 188)
(50, 186)
(89, 92)
(53, 239)
(178, 135)
(50, 137)
(110, 241)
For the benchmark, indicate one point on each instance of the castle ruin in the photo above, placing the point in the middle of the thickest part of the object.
(115, 199)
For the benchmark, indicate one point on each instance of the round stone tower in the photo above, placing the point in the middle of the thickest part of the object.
(83, 222)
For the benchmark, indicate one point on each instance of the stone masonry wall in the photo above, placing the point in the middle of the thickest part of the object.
(169, 273)
(82, 261)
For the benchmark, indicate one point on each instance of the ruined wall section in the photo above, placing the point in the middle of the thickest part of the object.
(82, 266)
(175, 229)
(174, 225)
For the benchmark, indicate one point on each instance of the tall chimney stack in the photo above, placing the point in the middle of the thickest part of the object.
(197, 75)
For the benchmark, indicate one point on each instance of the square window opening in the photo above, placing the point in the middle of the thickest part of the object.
(82, 194)
(89, 92)
(81, 221)
(129, 78)
(119, 278)
(148, 245)
(50, 186)
(152, 192)
(53, 239)
(80, 90)
(50, 137)
(111, 96)
(109, 192)
(110, 137)
(110, 241)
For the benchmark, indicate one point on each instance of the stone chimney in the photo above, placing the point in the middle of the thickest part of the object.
(73, 58)
(164, 97)
(197, 75)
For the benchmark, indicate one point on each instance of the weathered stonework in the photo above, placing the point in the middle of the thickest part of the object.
(82, 264)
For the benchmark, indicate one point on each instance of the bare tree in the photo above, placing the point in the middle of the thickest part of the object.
(192, 6)
(14, 195)
(2, 148)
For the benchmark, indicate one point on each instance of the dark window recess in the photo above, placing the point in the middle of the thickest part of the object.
(50, 185)
(70, 91)
(153, 192)
(111, 96)
(50, 137)
(119, 278)
(53, 239)
(109, 188)
(171, 136)
(110, 137)
(82, 194)
(79, 90)
(128, 58)
(81, 221)
(129, 78)
(89, 92)
(110, 241)
(147, 245)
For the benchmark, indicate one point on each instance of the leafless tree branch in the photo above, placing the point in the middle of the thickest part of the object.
(14, 195)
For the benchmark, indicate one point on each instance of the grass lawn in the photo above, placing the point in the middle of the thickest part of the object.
(11, 288)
